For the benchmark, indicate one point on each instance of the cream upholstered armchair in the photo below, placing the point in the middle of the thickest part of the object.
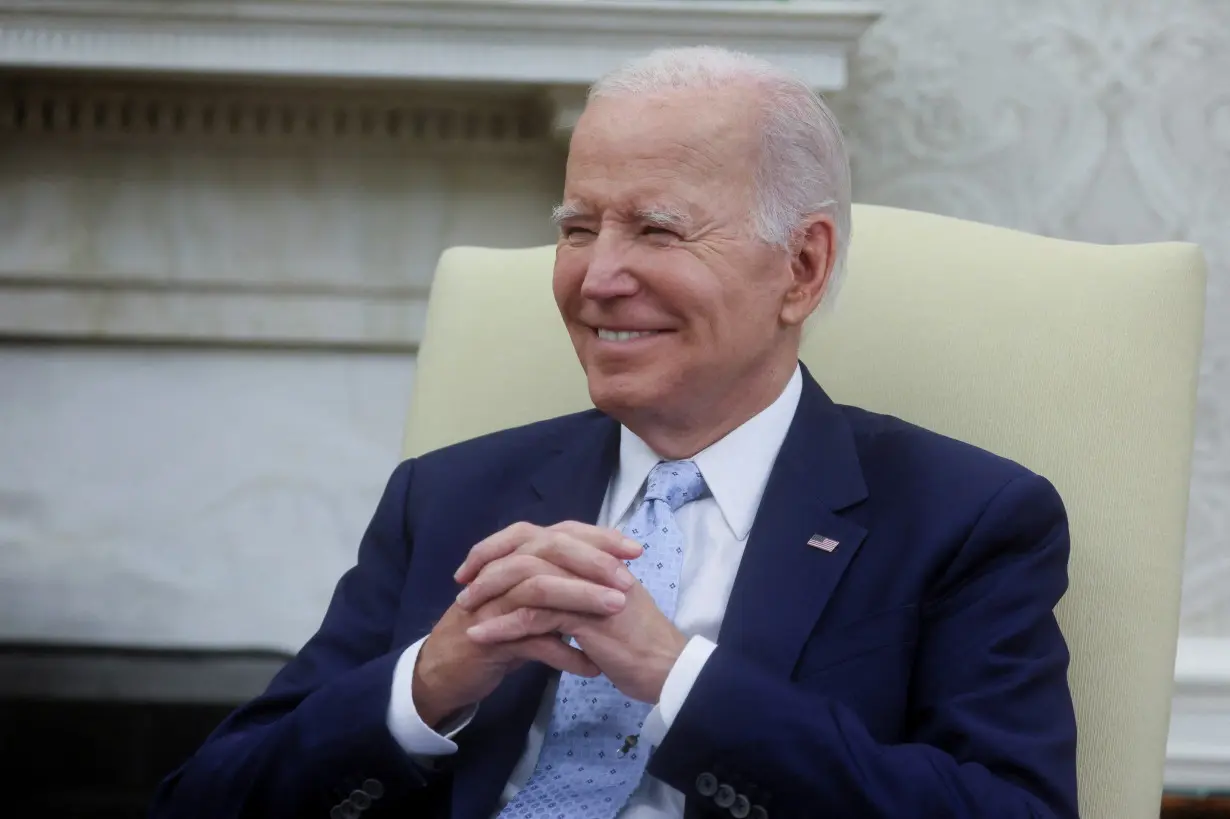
(1078, 361)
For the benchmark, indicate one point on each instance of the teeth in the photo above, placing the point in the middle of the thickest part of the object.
(623, 335)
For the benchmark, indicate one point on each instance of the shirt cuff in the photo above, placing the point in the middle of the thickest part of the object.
(675, 690)
(413, 735)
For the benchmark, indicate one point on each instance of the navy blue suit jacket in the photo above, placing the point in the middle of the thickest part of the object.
(917, 670)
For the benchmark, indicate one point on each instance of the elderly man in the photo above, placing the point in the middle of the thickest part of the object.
(718, 593)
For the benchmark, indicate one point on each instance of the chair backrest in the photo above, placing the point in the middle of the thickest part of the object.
(1079, 361)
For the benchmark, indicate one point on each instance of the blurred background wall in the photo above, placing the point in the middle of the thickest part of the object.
(210, 291)
(1100, 120)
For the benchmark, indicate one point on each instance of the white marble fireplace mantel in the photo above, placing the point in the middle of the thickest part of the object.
(285, 172)
(531, 41)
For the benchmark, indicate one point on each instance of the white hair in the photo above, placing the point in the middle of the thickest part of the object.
(803, 167)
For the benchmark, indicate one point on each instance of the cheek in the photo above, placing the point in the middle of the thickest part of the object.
(566, 278)
(747, 304)
(755, 300)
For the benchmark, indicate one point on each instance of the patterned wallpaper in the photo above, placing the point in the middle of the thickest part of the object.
(1100, 120)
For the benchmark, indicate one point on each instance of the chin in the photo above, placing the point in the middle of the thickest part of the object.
(620, 394)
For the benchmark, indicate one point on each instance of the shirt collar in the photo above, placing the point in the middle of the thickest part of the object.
(736, 468)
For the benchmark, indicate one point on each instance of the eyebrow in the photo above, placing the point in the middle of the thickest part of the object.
(663, 217)
(658, 216)
(563, 212)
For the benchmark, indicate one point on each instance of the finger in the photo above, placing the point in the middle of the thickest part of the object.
(565, 594)
(502, 543)
(559, 655)
(582, 558)
(608, 540)
(519, 624)
(525, 581)
(500, 576)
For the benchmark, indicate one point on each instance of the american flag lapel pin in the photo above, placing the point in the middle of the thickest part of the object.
(824, 544)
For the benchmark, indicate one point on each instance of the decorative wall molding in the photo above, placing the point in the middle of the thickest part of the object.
(1198, 749)
(191, 313)
(283, 116)
(209, 213)
(540, 42)
(1095, 120)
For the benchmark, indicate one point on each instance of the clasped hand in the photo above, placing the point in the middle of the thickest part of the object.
(528, 588)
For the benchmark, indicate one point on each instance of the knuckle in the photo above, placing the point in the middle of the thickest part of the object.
(530, 567)
(497, 607)
(520, 563)
(477, 590)
(482, 581)
(560, 554)
(551, 545)
(535, 590)
(538, 535)
(600, 541)
(614, 539)
(609, 565)
(539, 544)
(523, 530)
(606, 561)
(553, 550)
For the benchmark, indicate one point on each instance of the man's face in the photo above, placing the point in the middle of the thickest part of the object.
(673, 303)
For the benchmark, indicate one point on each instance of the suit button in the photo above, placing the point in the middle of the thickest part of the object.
(759, 812)
(373, 788)
(349, 810)
(741, 807)
(360, 799)
(725, 796)
(706, 784)
(336, 813)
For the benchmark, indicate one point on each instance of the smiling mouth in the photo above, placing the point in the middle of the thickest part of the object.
(625, 335)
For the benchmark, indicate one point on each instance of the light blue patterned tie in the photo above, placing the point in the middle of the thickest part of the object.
(580, 772)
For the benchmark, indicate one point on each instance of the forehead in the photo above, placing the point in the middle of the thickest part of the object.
(668, 149)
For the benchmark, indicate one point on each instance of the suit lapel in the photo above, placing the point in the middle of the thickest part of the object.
(783, 583)
(570, 486)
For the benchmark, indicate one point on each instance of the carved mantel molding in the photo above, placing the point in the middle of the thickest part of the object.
(1198, 750)
(539, 42)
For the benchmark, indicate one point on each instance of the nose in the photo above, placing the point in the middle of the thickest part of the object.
(607, 274)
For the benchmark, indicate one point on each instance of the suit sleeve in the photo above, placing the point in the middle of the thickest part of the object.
(991, 729)
(320, 730)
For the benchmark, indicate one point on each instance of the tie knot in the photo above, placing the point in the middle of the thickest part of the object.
(676, 483)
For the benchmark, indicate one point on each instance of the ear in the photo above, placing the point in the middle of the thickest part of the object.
(813, 252)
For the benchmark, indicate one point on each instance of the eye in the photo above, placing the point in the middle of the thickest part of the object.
(574, 232)
(656, 230)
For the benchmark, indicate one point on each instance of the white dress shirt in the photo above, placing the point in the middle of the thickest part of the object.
(715, 531)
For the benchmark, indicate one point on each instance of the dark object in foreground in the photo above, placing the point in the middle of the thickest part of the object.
(88, 732)
(1183, 806)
